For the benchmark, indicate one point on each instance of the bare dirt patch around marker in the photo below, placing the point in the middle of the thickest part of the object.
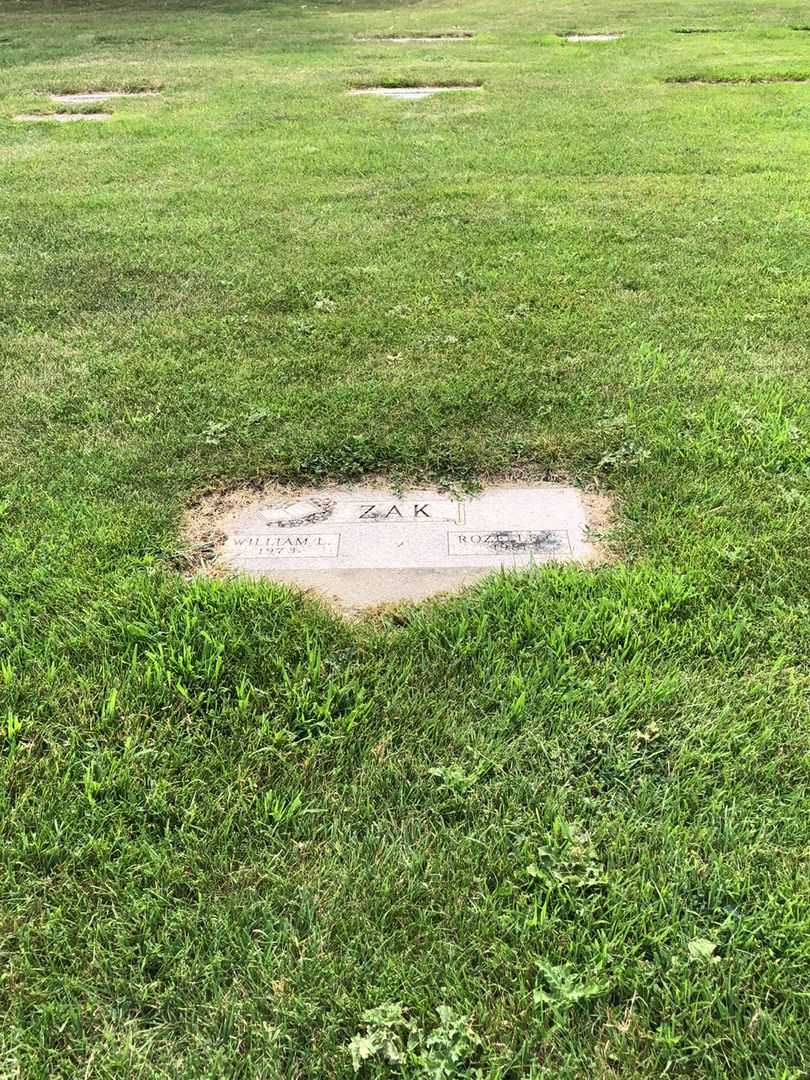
(61, 118)
(365, 546)
(102, 95)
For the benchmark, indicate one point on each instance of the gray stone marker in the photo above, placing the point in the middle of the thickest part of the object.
(363, 546)
(102, 95)
(425, 40)
(62, 118)
(592, 37)
(413, 93)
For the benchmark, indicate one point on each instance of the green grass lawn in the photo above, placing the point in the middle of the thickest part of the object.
(556, 826)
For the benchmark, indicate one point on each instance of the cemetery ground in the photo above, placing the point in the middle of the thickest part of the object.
(553, 826)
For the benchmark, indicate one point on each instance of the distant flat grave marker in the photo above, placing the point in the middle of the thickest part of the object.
(61, 118)
(592, 37)
(410, 93)
(420, 38)
(361, 547)
(102, 95)
(736, 80)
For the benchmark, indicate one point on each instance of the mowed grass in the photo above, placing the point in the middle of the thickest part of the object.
(568, 807)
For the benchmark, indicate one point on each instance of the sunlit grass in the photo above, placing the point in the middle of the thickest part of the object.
(569, 806)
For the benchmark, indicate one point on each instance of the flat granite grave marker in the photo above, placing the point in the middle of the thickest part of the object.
(102, 95)
(362, 547)
(410, 93)
(62, 118)
(592, 37)
(423, 39)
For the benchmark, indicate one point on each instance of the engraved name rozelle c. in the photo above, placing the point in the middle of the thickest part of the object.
(508, 541)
